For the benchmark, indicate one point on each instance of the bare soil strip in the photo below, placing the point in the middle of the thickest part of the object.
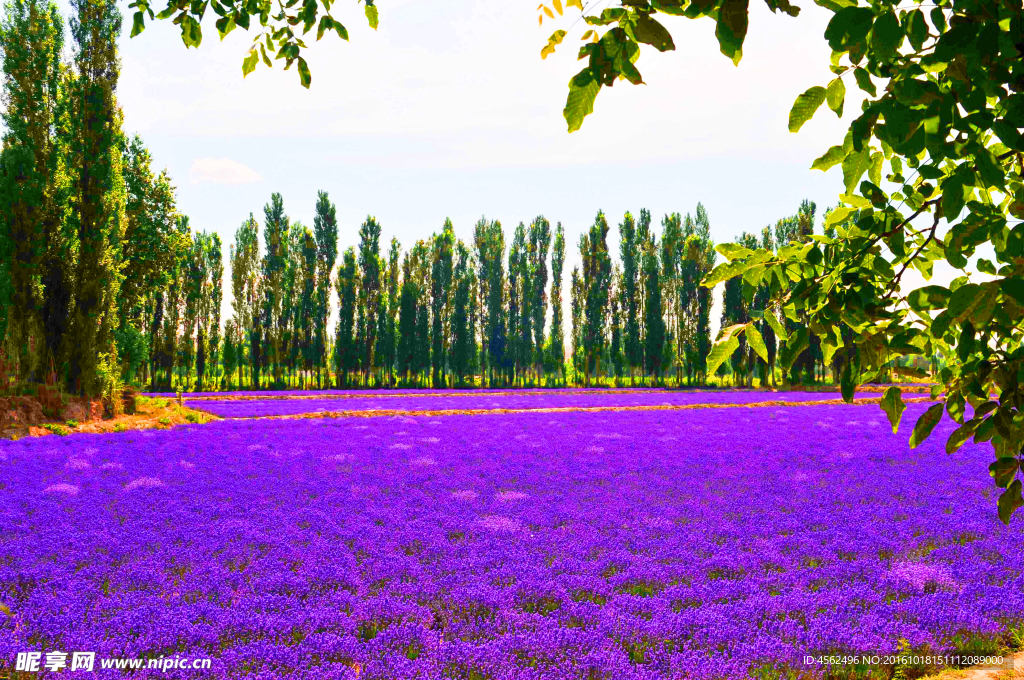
(377, 413)
(539, 391)
(1012, 669)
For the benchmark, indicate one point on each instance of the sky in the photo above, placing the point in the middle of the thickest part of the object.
(448, 111)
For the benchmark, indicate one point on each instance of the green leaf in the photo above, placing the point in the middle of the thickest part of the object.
(960, 435)
(952, 196)
(191, 32)
(1003, 471)
(848, 28)
(940, 324)
(795, 345)
(724, 272)
(224, 26)
(986, 267)
(836, 95)
(583, 89)
(964, 300)
(838, 215)
(829, 344)
(917, 29)
(854, 167)
(304, 76)
(863, 79)
(249, 63)
(732, 28)
(929, 297)
(834, 156)
(1014, 287)
(776, 325)
(892, 404)
(989, 169)
(956, 406)
(1009, 502)
(925, 424)
(733, 251)
(371, 15)
(138, 24)
(886, 35)
(553, 41)
(649, 31)
(325, 23)
(721, 351)
(756, 341)
(805, 106)
(875, 168)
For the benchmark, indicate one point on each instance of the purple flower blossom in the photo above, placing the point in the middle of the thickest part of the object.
(704, 544)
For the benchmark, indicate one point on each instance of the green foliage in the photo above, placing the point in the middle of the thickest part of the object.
(276, 36)
(132, 349)
(344, 348)
(325, 231)
(97, 182)
(108, 376)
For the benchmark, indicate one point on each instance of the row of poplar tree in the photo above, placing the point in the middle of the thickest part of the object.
(101, 275)
(445, 313)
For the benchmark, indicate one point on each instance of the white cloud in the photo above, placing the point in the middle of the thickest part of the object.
(221, 171)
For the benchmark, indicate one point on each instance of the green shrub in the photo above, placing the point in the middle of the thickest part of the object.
(56, 429)
(164, 421)
(72, 423)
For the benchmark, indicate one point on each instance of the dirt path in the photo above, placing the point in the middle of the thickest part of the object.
(1012, 670)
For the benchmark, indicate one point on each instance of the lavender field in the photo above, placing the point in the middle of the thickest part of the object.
(258, 405)
(708, 544)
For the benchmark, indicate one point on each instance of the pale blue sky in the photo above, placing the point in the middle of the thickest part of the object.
(448, 111)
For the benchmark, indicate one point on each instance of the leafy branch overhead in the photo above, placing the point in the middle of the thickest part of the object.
(611, 55)
(932, 173)
(277, 21)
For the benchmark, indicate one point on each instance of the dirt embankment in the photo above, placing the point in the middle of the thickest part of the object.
(22, 416)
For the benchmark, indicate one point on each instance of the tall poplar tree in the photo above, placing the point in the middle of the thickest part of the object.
(515, 302)
(557, 342)
(407, 321)
(31, 40)
(344, 347)
(540, 242)
(97, 189)
(654, 321)
(597, 271)
(442, 246)
(461, 336)
(369, 289)
(391, 328)
(245, 254)
(629, 253)
(496, 328)
(274, 269)
(325, 230)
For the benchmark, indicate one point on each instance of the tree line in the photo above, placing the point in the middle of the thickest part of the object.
(443, 312)
(102, 277)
